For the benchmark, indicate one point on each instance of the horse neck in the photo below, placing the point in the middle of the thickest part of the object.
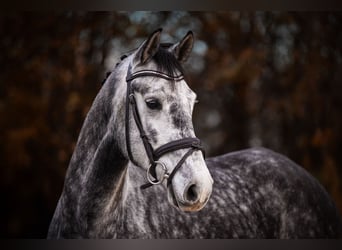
(97, 168)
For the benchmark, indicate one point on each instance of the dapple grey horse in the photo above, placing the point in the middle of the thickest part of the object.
(139, 130)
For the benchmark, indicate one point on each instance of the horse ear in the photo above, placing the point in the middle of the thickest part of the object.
(182, 49)
(150, 47)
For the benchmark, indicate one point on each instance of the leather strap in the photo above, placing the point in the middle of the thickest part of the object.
(176, 145)
(154, 155)
(153, 73)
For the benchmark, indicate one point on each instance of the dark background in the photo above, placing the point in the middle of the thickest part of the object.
(270, 79)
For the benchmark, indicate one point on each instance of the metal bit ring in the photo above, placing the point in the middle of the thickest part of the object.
(156, 181)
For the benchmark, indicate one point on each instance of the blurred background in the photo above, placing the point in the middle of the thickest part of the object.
(270, 79)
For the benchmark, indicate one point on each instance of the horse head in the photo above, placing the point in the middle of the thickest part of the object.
(159, 134)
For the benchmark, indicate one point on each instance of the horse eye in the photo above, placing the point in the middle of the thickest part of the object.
(153, 104)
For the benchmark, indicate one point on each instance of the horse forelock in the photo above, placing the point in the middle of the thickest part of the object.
(165, 61)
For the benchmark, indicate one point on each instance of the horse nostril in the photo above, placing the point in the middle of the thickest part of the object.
(191, 194)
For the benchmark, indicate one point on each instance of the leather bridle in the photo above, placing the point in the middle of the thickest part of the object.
(154, 155)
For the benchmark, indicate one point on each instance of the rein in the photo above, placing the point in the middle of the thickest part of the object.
(154, 155)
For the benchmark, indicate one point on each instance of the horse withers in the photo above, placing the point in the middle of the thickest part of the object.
(138, 170)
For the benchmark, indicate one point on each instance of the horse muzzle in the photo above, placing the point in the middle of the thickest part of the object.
(192, 199)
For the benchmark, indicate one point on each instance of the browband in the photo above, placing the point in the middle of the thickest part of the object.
(142, 73)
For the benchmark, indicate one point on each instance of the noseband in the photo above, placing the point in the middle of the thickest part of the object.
(154, 155)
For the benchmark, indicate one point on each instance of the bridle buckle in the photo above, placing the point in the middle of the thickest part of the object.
(131, 98)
